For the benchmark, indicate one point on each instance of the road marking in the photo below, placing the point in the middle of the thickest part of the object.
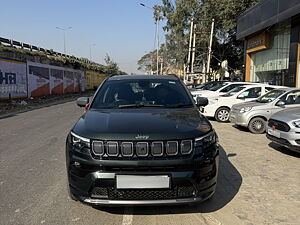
(127, 216)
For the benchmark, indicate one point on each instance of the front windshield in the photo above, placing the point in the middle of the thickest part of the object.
(200, 86)
(141, 93)
(217, 86)
(234, 91)
(210, 85)
(270, 96)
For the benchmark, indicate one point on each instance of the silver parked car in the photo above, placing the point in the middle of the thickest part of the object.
(284, 128)
(255, 114)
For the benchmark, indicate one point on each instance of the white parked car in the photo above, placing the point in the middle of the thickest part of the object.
(219, 107)
(219, 89)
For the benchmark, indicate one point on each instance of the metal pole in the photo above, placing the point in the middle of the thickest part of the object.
(184, 73)
(209, 49)
(193, 50)
(157, 36)
(190, 45)
(64, 41)
(64, 33)
(90, 52)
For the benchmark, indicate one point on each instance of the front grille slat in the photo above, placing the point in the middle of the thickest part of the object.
(141, 150)
(142, 194)
(279, 125)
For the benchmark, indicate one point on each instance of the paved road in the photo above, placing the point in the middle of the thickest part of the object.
(258, 184)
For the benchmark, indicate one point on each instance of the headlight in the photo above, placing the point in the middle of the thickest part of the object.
(213, 101)
(204, 126)
(245, 109)
(196, 95)
(207, 140)
(79, 142)
(296, 123)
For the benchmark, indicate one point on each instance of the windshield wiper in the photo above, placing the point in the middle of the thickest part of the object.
(179, 105)
(139, 105)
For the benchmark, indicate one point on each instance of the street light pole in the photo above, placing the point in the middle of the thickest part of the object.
(64, 32)
(157, 36)
(91, 51)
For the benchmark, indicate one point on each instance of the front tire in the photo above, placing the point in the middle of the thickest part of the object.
(222, 115)
(257, 125)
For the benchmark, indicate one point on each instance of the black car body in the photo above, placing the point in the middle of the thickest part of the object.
(128, 152)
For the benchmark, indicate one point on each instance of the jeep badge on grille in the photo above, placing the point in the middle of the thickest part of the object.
(142, 137)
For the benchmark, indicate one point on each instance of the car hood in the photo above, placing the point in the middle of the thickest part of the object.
(287, 115)
(141, 124)
(253, 104)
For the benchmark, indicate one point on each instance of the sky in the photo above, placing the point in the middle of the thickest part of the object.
(123, 29)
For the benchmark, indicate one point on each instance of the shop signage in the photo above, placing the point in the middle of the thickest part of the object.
(258, 42)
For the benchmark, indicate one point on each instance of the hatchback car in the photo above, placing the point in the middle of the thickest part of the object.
(142, 141)
(255, 114)
(219, 107)
(284, 128)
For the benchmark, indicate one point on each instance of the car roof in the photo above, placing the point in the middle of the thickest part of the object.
(264, 85)
(288, 89)
(144, 77)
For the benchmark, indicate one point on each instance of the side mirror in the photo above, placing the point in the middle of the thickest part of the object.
(82, 102)
(280, 103)
(201, 101)
(242, 97)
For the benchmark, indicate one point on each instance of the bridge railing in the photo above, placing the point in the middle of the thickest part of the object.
(22, 45)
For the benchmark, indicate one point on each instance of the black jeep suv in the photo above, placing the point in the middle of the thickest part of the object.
(142, 141)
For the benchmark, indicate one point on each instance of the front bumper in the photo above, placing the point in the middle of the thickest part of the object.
(209, 111)
(238, 118)
(192, 180)
(290, 139)
(92, 201)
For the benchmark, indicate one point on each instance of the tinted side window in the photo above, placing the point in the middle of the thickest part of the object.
(291, 98)
(269, 89)
(251, 93)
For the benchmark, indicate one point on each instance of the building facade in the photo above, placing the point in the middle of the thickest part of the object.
(271, 34)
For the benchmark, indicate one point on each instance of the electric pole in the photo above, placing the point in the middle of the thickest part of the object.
(190, 46)
(209, 49)
(193, 50)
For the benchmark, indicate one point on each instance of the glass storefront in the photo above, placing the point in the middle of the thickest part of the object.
(271, 65)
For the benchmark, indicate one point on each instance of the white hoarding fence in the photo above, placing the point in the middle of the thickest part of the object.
(13, 79)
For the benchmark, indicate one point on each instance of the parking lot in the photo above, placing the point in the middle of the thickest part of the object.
(258, 181)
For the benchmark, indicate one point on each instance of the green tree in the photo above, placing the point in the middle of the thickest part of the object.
(147, 62)
(178, 15)
(111, 66)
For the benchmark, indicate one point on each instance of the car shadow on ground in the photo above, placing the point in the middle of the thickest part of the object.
(229, 183)
(283, 150)
(241, 128)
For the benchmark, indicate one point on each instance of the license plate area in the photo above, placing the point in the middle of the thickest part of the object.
(274, 133)
(142, 182)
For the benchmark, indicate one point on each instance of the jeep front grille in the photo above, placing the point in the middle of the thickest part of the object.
(142, 150)
(143, 194)
(157, 148)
